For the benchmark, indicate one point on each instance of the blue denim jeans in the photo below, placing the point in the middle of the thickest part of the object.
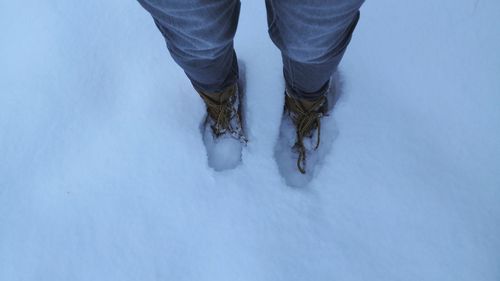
(311, 34)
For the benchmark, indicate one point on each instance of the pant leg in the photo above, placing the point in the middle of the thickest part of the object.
(199, 35)
(312, 36)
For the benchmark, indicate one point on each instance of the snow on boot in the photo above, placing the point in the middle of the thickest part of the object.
(306, 117)
(305, 138)
(222, 128)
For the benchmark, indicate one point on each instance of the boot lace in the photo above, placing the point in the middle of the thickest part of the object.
(305, 121)
(221, 113)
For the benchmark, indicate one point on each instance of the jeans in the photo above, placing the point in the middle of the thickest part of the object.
(311, 34)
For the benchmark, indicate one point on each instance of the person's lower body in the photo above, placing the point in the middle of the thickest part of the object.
(311, 34)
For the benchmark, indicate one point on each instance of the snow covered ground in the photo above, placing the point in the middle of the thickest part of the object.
(104, 175)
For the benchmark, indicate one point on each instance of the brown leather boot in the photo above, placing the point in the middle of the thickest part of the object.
(224, 112)
(306, 117)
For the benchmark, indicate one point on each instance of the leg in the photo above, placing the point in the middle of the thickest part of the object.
(312, 36)
(199, 36)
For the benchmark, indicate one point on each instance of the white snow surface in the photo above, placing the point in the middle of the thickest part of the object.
(104, 174)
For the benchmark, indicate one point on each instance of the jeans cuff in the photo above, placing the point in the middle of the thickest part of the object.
(308, 95)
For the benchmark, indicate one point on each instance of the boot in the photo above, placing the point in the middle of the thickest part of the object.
(306, 117)
(224, 113)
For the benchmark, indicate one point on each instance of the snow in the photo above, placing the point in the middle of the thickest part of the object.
(104, 174)
(224, 152)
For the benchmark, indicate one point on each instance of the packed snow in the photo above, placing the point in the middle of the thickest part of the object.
(104, 174)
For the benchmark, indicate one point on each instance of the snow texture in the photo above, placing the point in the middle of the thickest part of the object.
(104, 174)
(223, 152)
